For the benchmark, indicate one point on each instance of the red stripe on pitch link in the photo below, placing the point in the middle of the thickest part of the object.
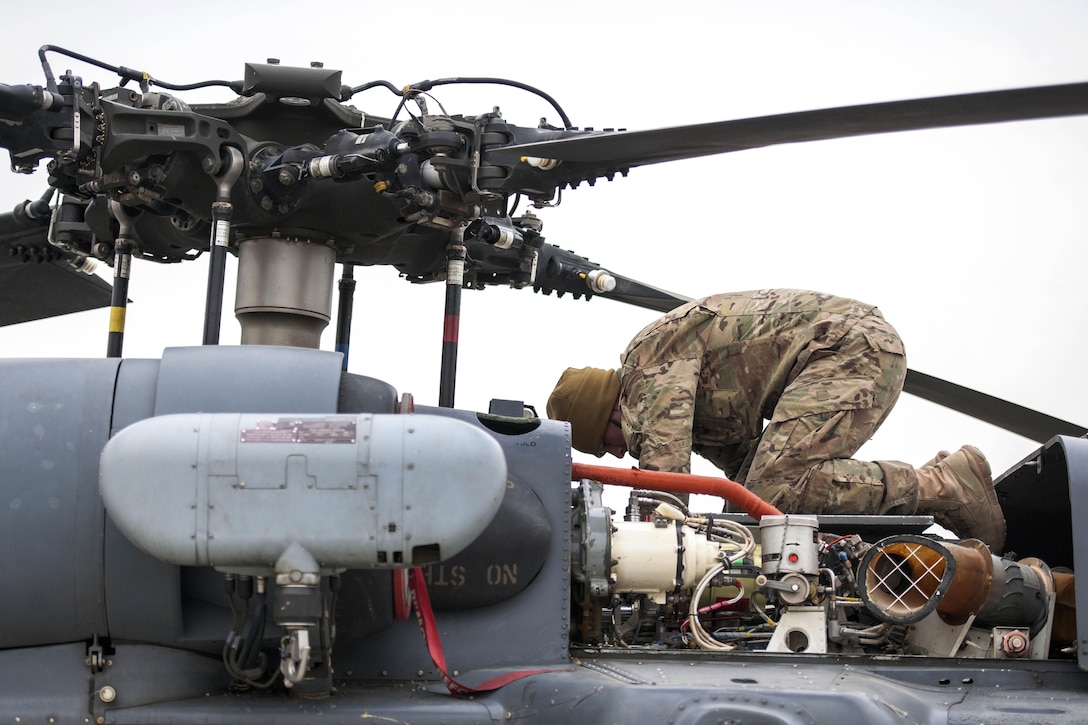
(449, 329)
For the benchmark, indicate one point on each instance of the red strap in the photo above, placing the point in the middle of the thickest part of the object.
(402, 599)
(422, 604)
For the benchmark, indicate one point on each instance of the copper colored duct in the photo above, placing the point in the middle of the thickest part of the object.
(731, 491)
(904, 578)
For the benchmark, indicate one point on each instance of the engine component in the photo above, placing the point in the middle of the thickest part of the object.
(789, 544)
(802, 629)
(672, 553)
(904, 578)
(655, 558)
(356, 491)
(801, 591)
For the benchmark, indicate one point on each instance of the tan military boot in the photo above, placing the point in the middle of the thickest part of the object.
(958, 492)
(941, 455)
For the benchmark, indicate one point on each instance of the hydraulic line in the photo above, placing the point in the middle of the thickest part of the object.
(731, 491)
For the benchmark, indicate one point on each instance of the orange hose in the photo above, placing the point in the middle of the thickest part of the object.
(731, 491)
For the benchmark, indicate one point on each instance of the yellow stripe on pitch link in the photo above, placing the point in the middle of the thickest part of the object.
(117, 319)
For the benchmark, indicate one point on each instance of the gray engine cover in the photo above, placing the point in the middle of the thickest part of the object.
(233, 490)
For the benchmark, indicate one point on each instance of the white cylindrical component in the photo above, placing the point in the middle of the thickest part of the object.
(86, 265)
(430, 175)
(505, 237)
(324, 167)
(237, 490)
(600, 281)
(655, 560)
(539, 163)
(793, 588)
(789, 544)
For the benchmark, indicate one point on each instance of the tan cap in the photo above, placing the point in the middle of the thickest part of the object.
(585, 397)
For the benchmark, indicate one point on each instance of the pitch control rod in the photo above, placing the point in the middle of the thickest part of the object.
(455, 278)
(344, 312)
(121, 267)
(217, 245)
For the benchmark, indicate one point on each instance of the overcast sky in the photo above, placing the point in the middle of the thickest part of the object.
(971, 240)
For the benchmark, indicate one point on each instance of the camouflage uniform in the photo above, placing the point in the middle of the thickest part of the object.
(823, 371)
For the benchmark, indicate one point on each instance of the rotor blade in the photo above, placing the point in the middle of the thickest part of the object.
(35, 290)
(628, 149)
(563, 271)
(633, 292)
(17, 226)
(1010, 416)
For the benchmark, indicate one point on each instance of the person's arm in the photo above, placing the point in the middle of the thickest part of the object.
(659, 411)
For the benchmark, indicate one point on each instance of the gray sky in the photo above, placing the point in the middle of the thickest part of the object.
(971, 240)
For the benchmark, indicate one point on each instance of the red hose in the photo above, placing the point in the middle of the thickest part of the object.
(731, 491)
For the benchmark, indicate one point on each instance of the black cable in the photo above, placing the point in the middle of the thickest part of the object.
(423, 86)
(374, 84)
(127, 74)
(428, 85)
(252, 634)
(261, 615)
(130, 74)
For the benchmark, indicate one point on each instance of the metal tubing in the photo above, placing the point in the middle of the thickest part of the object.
(217, 246)
(213, 303)
(122, 264)
(119, 300)
(455, 277)
(344, 312)
(731, 491)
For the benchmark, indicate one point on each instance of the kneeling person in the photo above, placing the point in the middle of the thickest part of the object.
(823, 370)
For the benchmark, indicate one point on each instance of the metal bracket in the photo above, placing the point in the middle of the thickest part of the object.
(96, 656)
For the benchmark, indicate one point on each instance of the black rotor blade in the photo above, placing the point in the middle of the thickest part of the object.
(1010, 416)
(36, 290)
(628, 149)
(565, 272)
(633, 292)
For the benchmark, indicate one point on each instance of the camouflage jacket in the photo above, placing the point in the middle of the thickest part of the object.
(705, 376)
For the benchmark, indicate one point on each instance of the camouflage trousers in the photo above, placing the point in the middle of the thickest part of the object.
(802, 462)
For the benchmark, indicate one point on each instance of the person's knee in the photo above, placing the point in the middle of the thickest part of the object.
(831, 487)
